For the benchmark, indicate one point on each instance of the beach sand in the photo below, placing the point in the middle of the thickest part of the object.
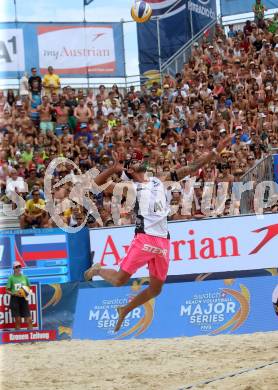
(163, 364)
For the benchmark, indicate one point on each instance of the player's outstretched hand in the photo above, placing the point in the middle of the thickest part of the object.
(224, 142)
(118, 165)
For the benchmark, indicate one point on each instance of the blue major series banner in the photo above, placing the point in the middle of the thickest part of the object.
(234, 7)
(231, 306)
(173, 28)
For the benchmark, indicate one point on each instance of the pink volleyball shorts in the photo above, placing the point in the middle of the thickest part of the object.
(148, 250)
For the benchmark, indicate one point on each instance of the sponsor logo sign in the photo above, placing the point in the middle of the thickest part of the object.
(203, 8)
(31, 336)
(77, 49)
(216, 311)
(214, 245)
(228, 306)
(12, 56)
(96, 314)
(7, 321)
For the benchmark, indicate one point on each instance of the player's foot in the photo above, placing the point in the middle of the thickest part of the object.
(92, 271)
(122, 315)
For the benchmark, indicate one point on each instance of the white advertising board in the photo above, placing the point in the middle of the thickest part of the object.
(212, 245)
(76, 49)
(11, 50)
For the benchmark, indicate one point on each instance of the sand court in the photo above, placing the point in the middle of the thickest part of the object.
(151, 364)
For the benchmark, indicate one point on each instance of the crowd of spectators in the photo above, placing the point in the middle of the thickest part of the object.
(229, 85)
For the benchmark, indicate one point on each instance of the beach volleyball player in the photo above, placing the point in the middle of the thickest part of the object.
(151, 243)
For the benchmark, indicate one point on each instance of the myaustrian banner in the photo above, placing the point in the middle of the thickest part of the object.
(212, 245)
(73, 49)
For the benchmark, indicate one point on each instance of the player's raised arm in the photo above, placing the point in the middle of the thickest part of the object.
(117, 167)
(200, 162)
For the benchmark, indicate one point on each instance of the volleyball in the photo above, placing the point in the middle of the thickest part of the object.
(141, 12)
(24, 291)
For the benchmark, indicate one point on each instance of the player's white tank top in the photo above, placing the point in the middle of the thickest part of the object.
(151, 208)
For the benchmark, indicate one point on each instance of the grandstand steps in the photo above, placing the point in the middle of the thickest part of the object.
(7, 222)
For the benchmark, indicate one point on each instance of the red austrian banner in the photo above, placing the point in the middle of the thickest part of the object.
(7, 321)
(212, 245)
(28, 336)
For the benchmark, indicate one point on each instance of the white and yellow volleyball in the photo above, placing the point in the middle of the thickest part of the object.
(141, 12)
(24, 292)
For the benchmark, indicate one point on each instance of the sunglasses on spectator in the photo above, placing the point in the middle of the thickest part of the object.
(192, 139)
(250, 159)
(17, 266)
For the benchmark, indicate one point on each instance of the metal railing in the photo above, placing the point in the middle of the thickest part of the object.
(262, 171)
(123, 87)
(175, 63)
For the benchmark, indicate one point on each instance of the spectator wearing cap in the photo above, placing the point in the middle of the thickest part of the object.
(169, 81)
(243, 136)
(18, 304)
(165, 153)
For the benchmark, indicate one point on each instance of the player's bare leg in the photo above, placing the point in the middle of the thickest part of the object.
(29, 322)
(116, 278)
(150, 292)
(119, 278)
(17, 323)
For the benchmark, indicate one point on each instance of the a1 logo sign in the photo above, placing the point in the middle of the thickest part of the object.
(11, 50)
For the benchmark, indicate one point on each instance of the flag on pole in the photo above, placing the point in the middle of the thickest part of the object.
(87, 2)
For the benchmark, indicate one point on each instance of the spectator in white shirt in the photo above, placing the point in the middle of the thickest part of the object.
(15, 183)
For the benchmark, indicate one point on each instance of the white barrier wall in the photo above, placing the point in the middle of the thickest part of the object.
(212, 245)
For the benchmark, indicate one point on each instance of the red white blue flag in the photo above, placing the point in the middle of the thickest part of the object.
(32, 248)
